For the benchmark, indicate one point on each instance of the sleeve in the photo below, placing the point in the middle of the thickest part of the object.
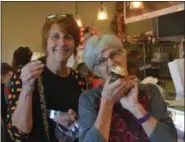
(13, 132)
(165, 130)
(87, 117)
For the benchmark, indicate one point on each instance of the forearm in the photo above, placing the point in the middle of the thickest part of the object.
(23, 109)
(103, 121)
(138, 111)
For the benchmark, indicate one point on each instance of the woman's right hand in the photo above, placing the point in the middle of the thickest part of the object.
(115, 91)
(67, 118)
(30, 72)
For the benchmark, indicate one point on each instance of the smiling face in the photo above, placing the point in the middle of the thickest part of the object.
(60, 37)
(60, 46)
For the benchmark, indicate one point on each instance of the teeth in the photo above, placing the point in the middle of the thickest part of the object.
(60, 50)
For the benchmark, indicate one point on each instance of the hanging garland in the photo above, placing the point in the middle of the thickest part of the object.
(118, 22)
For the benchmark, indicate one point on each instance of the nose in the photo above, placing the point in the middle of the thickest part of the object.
(65, 42)
(111, 63)
(62, 41)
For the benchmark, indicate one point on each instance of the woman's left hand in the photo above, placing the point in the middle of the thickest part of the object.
(131, 99)
(67, 118)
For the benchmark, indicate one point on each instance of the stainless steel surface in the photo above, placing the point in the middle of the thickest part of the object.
(53, 114)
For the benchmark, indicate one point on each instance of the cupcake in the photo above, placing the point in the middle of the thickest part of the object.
(117, 72)
(38, 56)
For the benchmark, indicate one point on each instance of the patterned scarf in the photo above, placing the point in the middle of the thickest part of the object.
(124, 127)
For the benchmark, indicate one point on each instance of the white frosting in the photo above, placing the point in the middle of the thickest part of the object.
(119, 70)
(36, 56)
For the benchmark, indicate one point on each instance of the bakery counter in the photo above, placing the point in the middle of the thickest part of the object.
(177, 114)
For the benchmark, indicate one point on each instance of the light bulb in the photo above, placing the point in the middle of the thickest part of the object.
(136, 4)
(102, 13)
(78, 21)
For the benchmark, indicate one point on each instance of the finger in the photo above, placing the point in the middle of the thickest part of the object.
(112, 88)
(133, 82)
(33, 74)
(107, 82)
(30, 64)
(33, 63)
(37, 66)
(63, 119)
(115, 84)
(133, 89)
(120, 91)
(72, 114)
(27, 67)
(124, 87)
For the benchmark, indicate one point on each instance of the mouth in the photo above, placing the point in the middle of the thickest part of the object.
(62, 49)
(117, 72)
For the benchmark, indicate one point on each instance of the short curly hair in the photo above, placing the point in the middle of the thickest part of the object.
(96, 44)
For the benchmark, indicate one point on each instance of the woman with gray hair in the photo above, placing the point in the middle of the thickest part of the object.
(122, 110)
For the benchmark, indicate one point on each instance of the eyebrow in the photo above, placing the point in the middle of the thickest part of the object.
(107, 56)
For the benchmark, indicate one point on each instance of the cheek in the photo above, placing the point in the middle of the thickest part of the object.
(51, 44)
(121, 60)
(71, 44)
(103, 71)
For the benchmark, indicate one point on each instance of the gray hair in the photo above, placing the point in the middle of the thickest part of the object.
(96, 44)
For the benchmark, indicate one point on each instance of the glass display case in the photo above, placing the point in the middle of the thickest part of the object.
(177, 114)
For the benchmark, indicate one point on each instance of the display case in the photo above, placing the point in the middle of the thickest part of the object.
(177, 114)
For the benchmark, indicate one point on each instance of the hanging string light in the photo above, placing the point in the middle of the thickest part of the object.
(136, 5)
(102, 12)
(77, 17)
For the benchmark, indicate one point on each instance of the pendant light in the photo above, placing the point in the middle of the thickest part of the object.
(102, 12)
(136, 5)
(77, 17)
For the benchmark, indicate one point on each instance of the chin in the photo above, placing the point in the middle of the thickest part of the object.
(63, 58)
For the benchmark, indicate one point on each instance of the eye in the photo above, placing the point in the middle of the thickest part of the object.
(101, 61)
(68, 37)
(55, 36)
(114, 53)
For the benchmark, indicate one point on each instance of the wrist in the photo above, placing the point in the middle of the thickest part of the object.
(106, 103)
(27, 89)
(137, 110)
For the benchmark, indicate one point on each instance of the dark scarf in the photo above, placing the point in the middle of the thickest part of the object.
(124, 127)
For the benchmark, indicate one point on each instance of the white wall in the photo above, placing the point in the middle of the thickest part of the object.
(22, 22)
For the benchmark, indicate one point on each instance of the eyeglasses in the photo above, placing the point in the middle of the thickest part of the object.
(58, 16)
(56, 36)
(103, 61)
